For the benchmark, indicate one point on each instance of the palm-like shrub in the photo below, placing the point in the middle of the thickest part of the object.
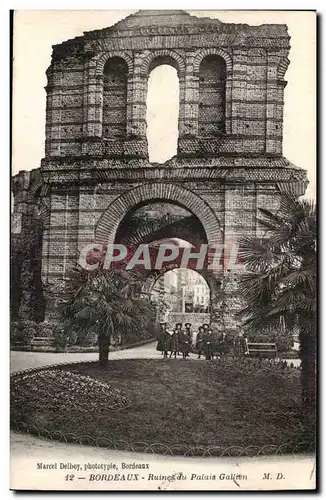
(280, 286)
(107, 303)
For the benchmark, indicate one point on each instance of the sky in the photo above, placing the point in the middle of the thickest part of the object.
(36, 31)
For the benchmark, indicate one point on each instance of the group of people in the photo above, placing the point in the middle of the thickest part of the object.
(179, 341)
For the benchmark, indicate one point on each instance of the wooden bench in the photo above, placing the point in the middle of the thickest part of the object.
(261, 350)
(41, 341)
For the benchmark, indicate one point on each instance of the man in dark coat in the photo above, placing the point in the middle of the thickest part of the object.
(188, 330)
(208, 346)
(163, 338)
(200, 341)
(178, 328)
(206, 328)
(189, 334)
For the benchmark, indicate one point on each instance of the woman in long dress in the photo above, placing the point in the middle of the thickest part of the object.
(163, 343)
(174, 343)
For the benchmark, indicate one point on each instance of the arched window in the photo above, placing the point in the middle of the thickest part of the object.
(115, 99)
(162, 113)
(211, 113)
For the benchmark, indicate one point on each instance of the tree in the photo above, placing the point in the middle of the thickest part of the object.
(280, 286)
(107, 303)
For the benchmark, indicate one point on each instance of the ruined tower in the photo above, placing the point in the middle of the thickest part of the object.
(229, 161)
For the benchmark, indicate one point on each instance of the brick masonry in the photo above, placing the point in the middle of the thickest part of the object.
(229, 161)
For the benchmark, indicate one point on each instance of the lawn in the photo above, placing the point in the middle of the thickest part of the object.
(228, 402)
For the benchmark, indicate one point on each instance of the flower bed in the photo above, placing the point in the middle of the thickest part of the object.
(56, 392)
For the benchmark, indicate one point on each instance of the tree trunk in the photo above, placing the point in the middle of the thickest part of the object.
(308, 367)
(104, 347)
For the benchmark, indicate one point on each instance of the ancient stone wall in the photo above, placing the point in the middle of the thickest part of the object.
(229, 162)
(29, 216)
(245, 100)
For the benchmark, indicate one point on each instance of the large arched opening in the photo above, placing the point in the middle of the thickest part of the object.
(159, 222)
(164, 213)
(162, 109)
(109, 224)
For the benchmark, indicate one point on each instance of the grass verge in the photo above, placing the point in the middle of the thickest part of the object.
(227, 402)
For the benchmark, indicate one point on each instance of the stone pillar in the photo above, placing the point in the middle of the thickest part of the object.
(20, 186)
(226, 304)
(217, 312)
(59, 252)
(53, 111)
(92, 101)
(137, 99)
(189, 90)
(279, 108)
(228, 102)
(236, 92)
(214, 280)
(130, 98)
(274, 97)
(185, 109)
(233, 303)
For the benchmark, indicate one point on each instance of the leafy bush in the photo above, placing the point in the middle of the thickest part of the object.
(283, 341)
(90, 339)
(30, 324)
(247, 366)
(64, 337)
(72, 339)
(15, 331)
(61, 338)
(79, 336)
(45, 331)
(23, 332)
(27, 335)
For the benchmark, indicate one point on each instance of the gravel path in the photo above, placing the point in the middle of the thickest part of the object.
(24, 360)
